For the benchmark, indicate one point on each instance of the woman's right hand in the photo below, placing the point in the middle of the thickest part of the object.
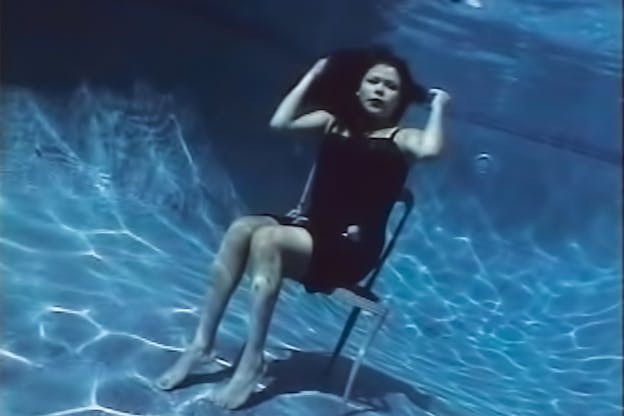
(318, 67)
(288, 112)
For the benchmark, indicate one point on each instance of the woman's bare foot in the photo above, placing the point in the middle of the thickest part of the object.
(182, 367)
(235, 392)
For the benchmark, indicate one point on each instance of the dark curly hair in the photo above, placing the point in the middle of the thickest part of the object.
(335, 89)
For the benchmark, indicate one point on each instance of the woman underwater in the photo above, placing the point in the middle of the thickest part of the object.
(361, 167)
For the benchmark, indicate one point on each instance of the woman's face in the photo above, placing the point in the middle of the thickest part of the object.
(379, 91)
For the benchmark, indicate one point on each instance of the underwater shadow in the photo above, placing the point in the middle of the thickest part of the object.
(305, 371)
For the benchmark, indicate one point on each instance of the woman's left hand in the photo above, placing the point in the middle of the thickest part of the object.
(440, 97)
(353, 233)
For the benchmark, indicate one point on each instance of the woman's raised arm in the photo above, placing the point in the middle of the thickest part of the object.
(286, 116)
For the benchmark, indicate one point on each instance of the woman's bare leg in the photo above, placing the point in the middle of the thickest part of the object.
(225, 274)
(275, 251)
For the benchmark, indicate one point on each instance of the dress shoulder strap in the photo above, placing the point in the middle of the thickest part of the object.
(330, 126)
(394, 132)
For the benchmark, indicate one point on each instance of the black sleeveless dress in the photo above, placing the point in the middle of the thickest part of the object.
(357, 181)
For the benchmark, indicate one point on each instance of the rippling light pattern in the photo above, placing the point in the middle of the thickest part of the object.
(109, 223)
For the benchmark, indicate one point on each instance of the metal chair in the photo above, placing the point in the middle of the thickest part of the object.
(361, 297)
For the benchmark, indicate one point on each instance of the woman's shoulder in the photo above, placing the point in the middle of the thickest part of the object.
(408, 140)
(407, 134)
(335, 126)
(408, 131)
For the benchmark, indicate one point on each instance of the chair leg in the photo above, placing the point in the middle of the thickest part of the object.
(361, 353)
(353, 316)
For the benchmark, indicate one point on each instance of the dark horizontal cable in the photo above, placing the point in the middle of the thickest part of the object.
(574, 146)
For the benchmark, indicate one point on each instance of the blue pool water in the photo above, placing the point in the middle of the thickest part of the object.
(504, 288)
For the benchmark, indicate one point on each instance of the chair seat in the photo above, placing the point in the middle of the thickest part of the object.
(360, 297)
(364, 292)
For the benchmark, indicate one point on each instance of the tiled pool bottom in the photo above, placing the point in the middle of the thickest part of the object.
(95, 308)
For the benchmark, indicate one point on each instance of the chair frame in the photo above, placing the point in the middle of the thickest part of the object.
(360, 297)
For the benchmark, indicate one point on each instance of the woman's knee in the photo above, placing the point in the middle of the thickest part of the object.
(265, 252)
(265, 285)
(291, 247)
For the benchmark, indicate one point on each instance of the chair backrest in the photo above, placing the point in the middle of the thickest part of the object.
(407, 199)
(305, 195)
